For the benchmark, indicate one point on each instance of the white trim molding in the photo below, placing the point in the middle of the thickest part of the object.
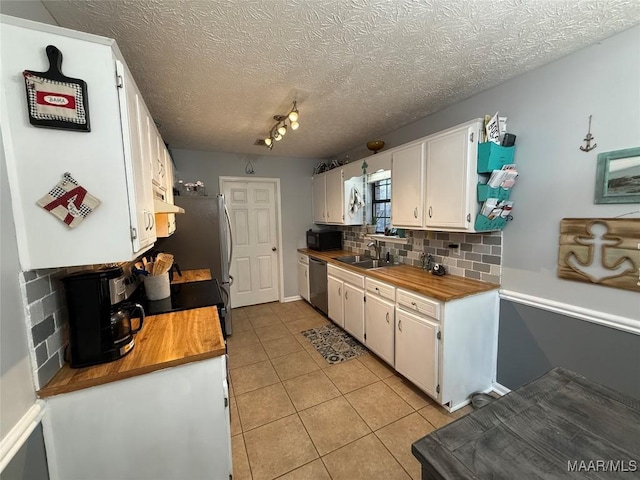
(20, 433)
(499, 389)
(294, 298)
(628, 325)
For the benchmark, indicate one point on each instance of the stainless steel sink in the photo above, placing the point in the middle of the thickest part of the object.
(353, 259)
(365, 262)
(372, 263)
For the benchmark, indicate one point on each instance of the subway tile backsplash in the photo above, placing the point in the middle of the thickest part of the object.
(479, 257)
(46, 318)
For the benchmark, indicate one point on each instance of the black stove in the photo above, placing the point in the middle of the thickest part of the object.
(185, 296)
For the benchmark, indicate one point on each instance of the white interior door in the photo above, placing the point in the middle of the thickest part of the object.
(252, 209)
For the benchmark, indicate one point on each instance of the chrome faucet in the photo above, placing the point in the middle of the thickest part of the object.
(376, 247)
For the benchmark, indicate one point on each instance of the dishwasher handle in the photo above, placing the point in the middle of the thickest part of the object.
(319, 262)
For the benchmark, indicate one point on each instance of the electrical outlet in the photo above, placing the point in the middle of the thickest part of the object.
(454, 248)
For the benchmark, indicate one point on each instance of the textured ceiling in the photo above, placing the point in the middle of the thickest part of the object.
(213, 73)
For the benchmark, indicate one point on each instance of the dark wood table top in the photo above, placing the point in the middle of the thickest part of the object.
(559, 426)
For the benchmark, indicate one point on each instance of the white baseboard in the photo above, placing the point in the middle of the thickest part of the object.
(295, 298)
(500, 389)
(20, 433)
(629, 325)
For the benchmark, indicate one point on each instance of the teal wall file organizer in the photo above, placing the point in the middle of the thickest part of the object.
(492, 156)
(485, 191)
(485, 224)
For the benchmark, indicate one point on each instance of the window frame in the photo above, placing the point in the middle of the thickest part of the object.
(375, 201)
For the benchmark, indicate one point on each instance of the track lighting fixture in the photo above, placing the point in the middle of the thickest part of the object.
(280, 128)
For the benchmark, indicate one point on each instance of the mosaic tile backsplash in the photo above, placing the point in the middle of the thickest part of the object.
(47, 319)
(479, 255)
(47, 322)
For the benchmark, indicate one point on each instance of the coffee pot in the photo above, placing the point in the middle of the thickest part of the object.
(100, 317)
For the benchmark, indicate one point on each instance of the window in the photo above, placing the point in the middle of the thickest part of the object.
(382, 204)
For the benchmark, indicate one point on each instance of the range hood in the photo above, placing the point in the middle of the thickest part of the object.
(160, 206)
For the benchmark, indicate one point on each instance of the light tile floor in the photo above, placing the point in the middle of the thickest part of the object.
(294, 416)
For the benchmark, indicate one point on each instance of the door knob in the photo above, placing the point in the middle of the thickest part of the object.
(273, 249)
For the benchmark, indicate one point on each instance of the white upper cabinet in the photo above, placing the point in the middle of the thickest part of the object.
(337, 201)
(451, 178)
(319, 196)
(334, 199)
(109, 161)
(137, 160)
(407, 185)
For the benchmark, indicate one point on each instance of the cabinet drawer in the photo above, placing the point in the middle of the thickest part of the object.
(303, 259)
(418, 303)
(382, 289)
(346, 276)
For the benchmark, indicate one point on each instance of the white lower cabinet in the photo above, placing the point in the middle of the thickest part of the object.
(447, 349)
(417, 350)
(163, 425)
(380, 327)
(335, 306)
(354, 311)
(345, 290)
(303, 276)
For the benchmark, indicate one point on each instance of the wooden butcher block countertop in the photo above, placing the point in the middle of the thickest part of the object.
(445, 288)
(192, 276)
(166, 340)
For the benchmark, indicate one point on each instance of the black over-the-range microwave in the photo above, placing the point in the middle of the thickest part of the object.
(324, 240)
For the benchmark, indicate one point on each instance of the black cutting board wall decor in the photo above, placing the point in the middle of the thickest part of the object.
(54, 100)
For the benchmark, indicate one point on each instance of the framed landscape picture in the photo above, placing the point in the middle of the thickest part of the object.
(618, 177)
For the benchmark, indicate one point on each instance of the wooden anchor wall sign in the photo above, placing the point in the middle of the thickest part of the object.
(603, 251)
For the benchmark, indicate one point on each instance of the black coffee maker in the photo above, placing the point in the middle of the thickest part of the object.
(100, 317)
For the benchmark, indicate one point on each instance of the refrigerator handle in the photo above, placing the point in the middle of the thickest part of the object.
(226, 214)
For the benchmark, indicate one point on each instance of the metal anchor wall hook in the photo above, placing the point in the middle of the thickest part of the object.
(588, 147)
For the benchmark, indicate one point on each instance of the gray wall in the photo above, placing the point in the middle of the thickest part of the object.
(17, 392)
(548, 110)
(295, 185)
(532, 341)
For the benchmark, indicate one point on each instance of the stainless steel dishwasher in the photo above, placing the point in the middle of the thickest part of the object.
(318, 284)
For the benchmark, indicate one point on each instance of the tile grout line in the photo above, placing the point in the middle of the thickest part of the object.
(297, 412)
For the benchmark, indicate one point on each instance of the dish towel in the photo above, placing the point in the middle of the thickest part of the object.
(355, 201)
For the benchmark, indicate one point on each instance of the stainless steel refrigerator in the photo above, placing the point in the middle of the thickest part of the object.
(203, 239)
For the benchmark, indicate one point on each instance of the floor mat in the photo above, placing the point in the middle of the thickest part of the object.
(334, 344)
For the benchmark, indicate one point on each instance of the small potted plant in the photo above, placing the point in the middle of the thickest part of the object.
(371, 228)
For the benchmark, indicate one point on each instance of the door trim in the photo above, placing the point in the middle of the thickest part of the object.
(276, 183)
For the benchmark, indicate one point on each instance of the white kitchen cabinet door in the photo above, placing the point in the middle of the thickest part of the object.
(144, 422)
(354, 311)
(303, 280)
(166, 222)
(149, 142)
(407, 180)
(135, 139)
(100, 160)
(380, 327)
(334, 196)
(450, 189)
(335, 291)
(319, 198)
(417, 350)
(157, 156)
